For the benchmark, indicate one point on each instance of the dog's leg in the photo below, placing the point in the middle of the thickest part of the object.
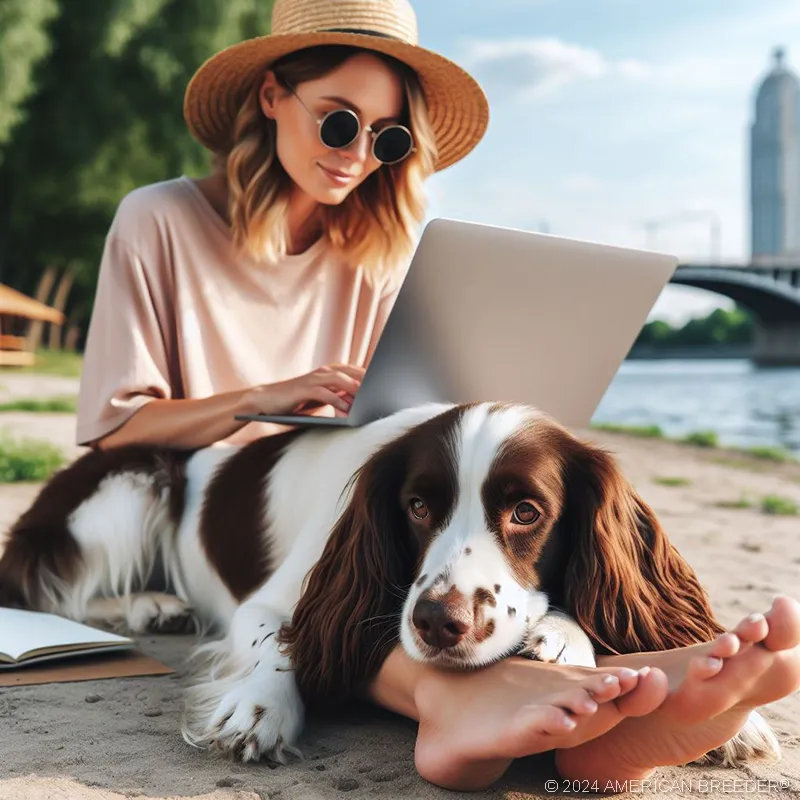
(556, 638)
(243, 698)
(145, 612)
(246, 703)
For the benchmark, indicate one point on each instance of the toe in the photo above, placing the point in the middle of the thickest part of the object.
(784, 624)
(578, 701)
(605, 687)
(650, 692)
(724, 646)
(752, 629)
(703, 668)
(549, 719)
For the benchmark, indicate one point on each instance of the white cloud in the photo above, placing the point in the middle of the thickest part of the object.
(538, 66)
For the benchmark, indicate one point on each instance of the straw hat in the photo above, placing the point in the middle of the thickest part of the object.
(458, 108)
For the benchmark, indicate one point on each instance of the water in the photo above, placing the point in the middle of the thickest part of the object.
(745, 405)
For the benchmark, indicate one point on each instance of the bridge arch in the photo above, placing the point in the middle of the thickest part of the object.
(772, 295)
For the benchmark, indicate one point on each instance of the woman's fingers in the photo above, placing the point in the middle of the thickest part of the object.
(352, 370)
(325, 397)
(339, 382)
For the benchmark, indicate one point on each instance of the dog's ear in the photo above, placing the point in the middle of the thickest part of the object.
(348, 617)
(625, 583)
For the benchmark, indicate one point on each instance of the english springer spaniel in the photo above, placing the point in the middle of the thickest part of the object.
(466, 533)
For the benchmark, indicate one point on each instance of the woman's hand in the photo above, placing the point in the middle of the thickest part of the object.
(331, 385)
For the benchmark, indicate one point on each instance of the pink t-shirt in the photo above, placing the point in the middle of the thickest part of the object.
(179, 314)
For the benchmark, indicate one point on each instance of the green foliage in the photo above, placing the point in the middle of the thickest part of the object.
(103, 115)
(766, 453)
(47, 405)
(721, 327)
(55, 362)
(742, 502)
(668, 480)
(782, 506)
(702, 439)
(24, 41)
(27, 460)
(647, 431)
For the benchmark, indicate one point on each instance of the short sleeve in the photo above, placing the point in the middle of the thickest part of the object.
(125, 361)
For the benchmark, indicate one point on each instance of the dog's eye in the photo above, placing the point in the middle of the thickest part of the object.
(418, 508)
(525, 513)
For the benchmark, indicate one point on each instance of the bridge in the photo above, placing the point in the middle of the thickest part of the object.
(770, 290)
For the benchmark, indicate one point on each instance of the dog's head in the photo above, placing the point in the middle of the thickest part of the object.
(459, 531)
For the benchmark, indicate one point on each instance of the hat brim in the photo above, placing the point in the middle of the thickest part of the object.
(457, 106)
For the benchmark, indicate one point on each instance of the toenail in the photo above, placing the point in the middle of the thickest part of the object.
(610, 679)
(627, 672)
(756, 618)
(714, 663)
(569, 722)
(644, 671)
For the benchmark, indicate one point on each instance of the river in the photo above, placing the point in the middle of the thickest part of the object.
(745, 405)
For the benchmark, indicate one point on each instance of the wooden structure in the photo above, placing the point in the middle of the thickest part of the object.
(18, 309)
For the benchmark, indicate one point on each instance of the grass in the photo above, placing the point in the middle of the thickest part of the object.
(666, 480)
(647, 431)
(769, 504)
(52, 405)
(776, 454)
(781, 506)
(742, 502)
(702, 439)
(705, 439)
(28, 460)
(54, 362)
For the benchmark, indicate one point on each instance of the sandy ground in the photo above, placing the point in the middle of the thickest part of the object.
(119, 738)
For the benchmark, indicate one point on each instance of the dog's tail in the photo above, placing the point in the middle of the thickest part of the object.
(95, 528)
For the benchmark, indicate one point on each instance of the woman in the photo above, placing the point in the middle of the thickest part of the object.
(263, 288)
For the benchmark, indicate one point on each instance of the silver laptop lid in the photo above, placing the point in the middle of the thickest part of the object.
(489, 313)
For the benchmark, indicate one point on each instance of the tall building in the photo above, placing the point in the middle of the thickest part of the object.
(775, 164)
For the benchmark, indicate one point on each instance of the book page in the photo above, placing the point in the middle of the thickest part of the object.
(24, 632)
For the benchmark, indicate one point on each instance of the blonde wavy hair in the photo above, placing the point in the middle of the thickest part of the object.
(375, 226)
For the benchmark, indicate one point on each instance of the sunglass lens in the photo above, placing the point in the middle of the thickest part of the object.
(339, 129)
(392, 144)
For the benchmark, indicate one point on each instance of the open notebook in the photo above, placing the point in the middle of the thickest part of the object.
(30, 637)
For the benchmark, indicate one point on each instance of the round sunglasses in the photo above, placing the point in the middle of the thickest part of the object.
(341, 127)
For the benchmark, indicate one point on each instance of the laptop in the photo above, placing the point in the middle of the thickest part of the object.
(497, 314)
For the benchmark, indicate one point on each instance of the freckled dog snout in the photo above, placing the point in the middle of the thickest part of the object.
(439, 624)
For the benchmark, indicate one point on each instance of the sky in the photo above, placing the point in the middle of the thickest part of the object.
(608, 114)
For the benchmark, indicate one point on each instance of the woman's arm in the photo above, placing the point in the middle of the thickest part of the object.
(183, 424)
(191, 424)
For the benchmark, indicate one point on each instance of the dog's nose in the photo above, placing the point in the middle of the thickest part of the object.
(438, 624)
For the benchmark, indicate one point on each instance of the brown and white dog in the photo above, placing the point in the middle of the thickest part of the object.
(458, 530)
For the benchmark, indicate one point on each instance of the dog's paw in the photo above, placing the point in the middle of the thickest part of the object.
(557, 639)
(546, 644)
(259, 715)
(154, 612)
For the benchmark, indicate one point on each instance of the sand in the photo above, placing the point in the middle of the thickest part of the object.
(119, 738)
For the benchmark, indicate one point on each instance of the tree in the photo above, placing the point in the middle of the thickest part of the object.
(24, 41)
(104, 116)
(720, 327)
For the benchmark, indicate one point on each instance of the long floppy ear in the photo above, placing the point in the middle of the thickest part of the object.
(348, 617)
(625, 583)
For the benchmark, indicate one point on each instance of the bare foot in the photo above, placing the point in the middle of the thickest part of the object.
(472, 725)
(713, 689)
